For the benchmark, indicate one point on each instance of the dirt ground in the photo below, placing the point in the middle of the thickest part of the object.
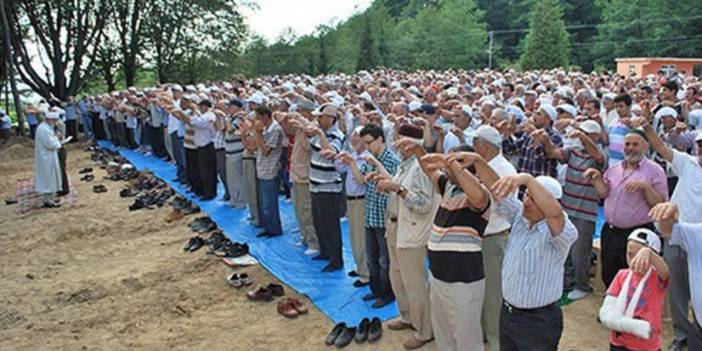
(94, 276)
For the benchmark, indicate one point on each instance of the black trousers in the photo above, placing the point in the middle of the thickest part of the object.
(613, 245)
(112, 126)
(158, 145)
(531, 330)
(72, 130)
(98, 130)
(191, 163)
(65, 188)
(326, 213)
(207, 166)
(131, 142)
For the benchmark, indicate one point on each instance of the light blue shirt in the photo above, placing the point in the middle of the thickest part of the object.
(70, 111)
(451, 140)
(689, 237)
(351, 186)
(532, 270)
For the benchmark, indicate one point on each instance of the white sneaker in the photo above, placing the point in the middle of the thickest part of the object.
(299, 244)
(311, 252)
(577, 294)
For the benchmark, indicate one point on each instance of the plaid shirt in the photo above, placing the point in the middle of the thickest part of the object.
(533, 160)
(376, 202)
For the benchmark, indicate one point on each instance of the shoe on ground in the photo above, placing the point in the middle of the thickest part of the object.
(362, 330)
(577, 294)
(353, 274)
(398, 324)
(331, 268)
(174, 216)
(299, 306)
(360, 283)
(276, 289)
(260, 294)
(286, 309)
(375, 330)
(382, 302)
(238, 280)
(413, 343)
(311, 252)
(320, 257)
(369, 297)
(346, 337)
(334, 333)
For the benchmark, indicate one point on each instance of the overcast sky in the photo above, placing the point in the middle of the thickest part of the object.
(301, 15)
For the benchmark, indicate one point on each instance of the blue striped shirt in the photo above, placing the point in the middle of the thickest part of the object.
(532, 270)
(324, 178)
(615, 151)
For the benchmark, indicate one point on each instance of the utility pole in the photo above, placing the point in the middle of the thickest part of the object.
(11, 68)
(491, 34)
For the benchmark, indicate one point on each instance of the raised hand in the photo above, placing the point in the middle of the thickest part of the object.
(642, 261)
(508, 185)
(664, 211)
(387, 186)
(434, 162)
(328, 154)
(634, 185)
(592, 174)
(465, 159)
(406, 144)
(344, 157)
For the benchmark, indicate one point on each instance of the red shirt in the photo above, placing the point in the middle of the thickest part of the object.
(650, 308)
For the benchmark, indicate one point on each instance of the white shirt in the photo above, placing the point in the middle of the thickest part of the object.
(688, 191)
(451, 140)
(204, 128)
(173, 124)
(497, 222)
(689, 237)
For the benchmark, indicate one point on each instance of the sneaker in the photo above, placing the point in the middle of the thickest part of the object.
(577, 294)
(311, 252)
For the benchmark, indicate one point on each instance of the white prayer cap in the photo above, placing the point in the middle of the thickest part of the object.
(666, 111)
(568, 108)
(699, 136)
(256, 98)
(467, 110)
(552, 185)
(414, 105)
(366, 96)
(395, 85)
(52, 115)
(590, 127)
(489, 134)
(550, 111)
(192, 97)
(177, 87)
(647, 238)
(609, 96)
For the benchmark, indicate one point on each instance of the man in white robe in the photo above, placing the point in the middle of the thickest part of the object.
(47, 179)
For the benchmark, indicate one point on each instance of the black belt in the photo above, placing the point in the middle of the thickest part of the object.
(511, 309)
(618, 230)
(360, 197)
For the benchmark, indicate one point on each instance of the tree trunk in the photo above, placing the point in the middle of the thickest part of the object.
(11, 70)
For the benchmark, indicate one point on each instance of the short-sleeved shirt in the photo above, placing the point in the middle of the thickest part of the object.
(532, 270)
(300, 158)
(455, 241)
(324, 178)
(376, 202)
(688, 192)
(267, 167)
(689, 237)
(580, 198)
(624, 209)
(649, 308)
(233, 144)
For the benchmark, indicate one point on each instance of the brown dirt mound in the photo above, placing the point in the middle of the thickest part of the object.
(15, 151)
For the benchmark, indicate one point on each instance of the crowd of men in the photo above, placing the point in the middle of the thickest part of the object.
(495, 178)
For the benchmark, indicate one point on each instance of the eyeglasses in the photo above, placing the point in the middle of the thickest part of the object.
(368, 142)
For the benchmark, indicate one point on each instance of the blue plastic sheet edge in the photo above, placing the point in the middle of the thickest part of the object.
(333, 293)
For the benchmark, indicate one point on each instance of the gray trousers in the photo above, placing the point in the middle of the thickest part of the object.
(678, 290)
(357, 236)
(168, 142)
(251, 188)
(577, 266)
(493, 255)
(303, 213)
(222, 170)
(235, 180)
(409, 280)
(455, 314)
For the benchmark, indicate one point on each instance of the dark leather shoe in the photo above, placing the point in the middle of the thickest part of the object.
(375, 330)
(382, 302)
(346, 337)
(334, 334)
(276, 289)
(353, 274)
(260, 294)
(197, 244)
(370, 296)
(359, 284)
(362, 331)
(189, 244)
(331, 268)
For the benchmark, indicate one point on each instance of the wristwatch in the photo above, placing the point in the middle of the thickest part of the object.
(401, 190)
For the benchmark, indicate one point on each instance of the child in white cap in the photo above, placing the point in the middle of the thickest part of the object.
(634, 303)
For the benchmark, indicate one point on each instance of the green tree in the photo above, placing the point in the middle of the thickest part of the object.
(366, 58)
(548, 44)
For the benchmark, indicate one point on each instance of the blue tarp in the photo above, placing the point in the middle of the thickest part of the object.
(333, 293)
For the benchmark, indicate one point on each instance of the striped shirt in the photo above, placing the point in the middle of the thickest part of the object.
(267, 167)
(324, 178)
(455, 241)
(376, 202)
(189, 139)
(532, 270)
(233, 144)
(615, 150)
(580, 198)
